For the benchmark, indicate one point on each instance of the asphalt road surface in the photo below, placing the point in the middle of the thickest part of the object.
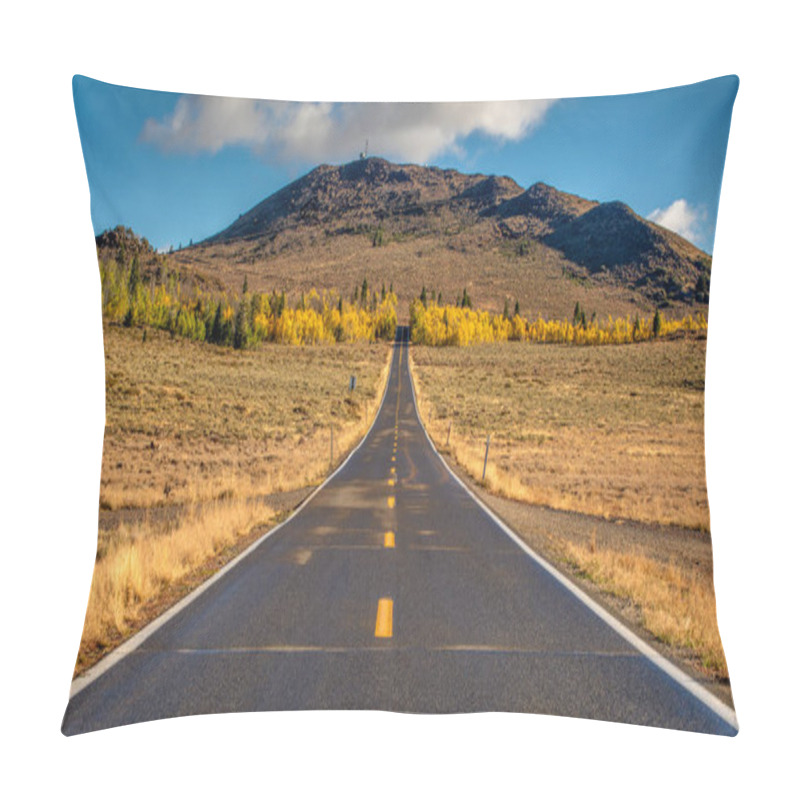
(391, 588)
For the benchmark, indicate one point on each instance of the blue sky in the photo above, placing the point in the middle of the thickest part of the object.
(177, 168)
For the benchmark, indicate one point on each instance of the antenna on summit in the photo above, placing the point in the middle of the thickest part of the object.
(363, 155)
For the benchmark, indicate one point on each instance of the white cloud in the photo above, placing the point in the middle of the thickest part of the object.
(682, 218)
(331, 131)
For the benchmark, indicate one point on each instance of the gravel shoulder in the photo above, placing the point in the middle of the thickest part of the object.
(546, 531)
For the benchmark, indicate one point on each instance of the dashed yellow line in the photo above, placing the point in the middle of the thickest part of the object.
(388, 539)
(394, 470)
(391, 481)
(390, 501)
(383, 620)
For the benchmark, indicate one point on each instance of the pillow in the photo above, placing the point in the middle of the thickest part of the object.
(404, 407)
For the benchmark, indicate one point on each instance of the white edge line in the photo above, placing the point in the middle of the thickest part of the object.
(129, 645)
(706, 697)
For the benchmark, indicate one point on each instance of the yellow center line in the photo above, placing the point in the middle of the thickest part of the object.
(394, 470)
(383, 621)
(390, 501)
(388, 539)
(394, 458)
(391, 481)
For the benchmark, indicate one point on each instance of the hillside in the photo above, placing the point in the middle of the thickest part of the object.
(125, 245)
(409, 226)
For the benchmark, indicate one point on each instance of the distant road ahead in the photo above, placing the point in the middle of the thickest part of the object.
(390, 589)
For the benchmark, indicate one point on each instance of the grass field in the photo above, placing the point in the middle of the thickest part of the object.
(614, 431)
(197, 437)
(189, 422)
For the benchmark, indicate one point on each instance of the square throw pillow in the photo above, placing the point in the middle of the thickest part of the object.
(404, 407)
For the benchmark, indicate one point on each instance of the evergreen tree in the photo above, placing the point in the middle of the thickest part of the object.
(439, 299)
(216, 334)
(423, 296)
(241, 334)
(576, 315)
(134, 278)
(506, 311)
(364, 292)
(383, 291)
(702, 288)
(516, 309)
(657, 324)
(244, 286)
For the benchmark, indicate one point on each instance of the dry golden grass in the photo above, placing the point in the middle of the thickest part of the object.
(189, 422)
(209, 431)
(136, 563)
(614, 431)
(676, 605)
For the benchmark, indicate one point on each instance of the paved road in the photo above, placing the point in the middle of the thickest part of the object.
(391, 589)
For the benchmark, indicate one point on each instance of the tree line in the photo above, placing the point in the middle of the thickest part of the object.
(457, 325)
(242, 320)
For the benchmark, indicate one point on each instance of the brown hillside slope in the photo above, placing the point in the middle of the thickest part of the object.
(409, 226)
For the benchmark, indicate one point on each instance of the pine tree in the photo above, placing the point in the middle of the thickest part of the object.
(383, 291)
(423, 296)
(244, 286)
(216, 335)
(241, 334)
(364, 292)
(576, 315)
(657, 324)
(506, 311)
(516, 309)
(134, 278)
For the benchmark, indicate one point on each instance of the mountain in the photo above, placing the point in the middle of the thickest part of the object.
(366, 193)
(410, 225)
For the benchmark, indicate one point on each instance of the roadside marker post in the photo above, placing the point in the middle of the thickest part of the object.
(486, 457)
